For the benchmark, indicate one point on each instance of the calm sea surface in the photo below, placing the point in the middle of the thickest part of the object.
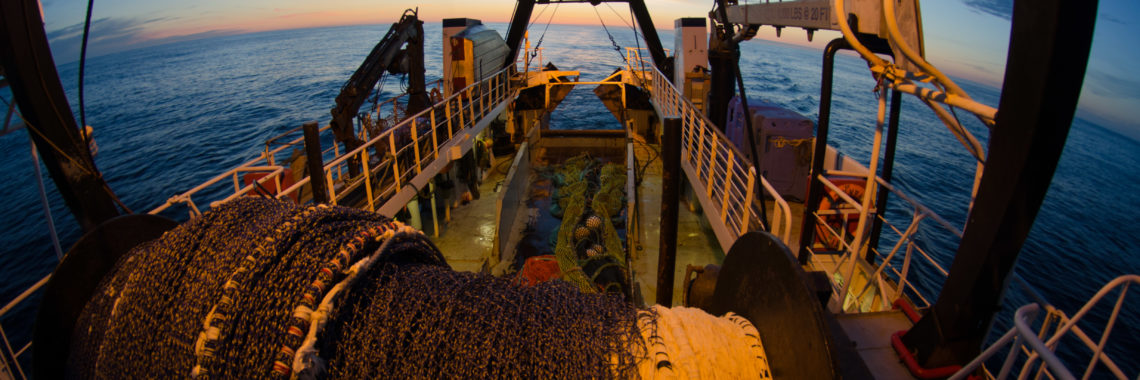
(169, 117)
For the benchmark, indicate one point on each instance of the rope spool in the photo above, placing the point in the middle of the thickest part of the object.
(687, 343)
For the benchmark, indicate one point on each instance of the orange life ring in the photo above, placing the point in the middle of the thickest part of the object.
(854, 187)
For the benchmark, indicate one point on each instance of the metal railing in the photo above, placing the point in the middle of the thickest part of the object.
(391, 159)
(715, 167)
(637, 62)
(1029, 342)
(9, 356)
(266, 162)
(904, 237)
(382, 115)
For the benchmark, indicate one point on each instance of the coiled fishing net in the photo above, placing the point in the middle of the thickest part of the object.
(151, 305)
(430, 322)
(261, 288)
(588, 249)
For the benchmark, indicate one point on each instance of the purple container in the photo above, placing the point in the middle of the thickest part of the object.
(783, 141)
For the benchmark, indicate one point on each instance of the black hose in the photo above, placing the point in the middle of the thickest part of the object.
(82, 63)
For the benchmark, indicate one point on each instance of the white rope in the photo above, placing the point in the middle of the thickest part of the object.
(687, 343)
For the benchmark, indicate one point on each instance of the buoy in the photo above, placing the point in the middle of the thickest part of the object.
(89, 132)
(581, 233)
(594, 222)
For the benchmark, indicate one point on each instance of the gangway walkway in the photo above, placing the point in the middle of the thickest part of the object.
(723, 180)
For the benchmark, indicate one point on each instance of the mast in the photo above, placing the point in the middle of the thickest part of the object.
(30, 70)
(524, 8)
(1048, 54)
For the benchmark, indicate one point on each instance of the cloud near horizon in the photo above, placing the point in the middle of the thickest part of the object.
(999, 8)
(108, 35)
(1105, 84)
(114, 34)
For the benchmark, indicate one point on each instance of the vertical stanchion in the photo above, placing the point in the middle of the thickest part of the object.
(670, 190)
(43, 197)
(447, 113)
(434, 210)
(316, 162)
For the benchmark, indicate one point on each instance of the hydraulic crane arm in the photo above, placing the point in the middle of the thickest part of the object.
(388, 55)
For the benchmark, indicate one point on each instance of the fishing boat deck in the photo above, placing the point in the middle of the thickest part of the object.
(470, 237)
(870, 334)
(696, 244)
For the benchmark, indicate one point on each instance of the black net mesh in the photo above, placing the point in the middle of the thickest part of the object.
(145, 318)
(232, 294)
(430, 322)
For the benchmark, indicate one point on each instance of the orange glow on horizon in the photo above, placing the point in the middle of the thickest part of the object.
(615, 17)
(317, 16)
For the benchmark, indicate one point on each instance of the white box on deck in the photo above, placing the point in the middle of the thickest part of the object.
(451, 27)
(690, 47)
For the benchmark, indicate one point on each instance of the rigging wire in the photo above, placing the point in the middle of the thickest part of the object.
(617, 47)
(535, 17)
(720, 11)
(82, 64)
(74, 161)
(636, 40)
(83, 112)
(50, 143)
(620, 17)
(541, 37)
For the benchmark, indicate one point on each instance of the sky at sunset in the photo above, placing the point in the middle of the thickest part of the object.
(965, 38)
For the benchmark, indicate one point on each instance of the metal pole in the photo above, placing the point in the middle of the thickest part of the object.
(316, 162)
(649, 33)
(518, 26)
(888, 169)
(670, 190)
(415, 219)
(815, 188)
(434, 210)
(44, 199)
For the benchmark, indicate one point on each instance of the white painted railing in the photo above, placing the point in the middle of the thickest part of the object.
(404, 150)
(10, 367)
(715, 167)
(906, 245)
(1040, 355)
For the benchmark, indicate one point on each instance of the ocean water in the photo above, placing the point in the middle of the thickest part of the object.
(169, 117)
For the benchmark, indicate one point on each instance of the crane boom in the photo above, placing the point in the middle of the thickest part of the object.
(391, 55)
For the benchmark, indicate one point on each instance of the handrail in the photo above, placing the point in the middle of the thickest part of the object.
(716, 163)
(6, 351)
(475, 101)
(24, 295)
(376, 112)
(904, 235)
(1022, 334)
(265, 156)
